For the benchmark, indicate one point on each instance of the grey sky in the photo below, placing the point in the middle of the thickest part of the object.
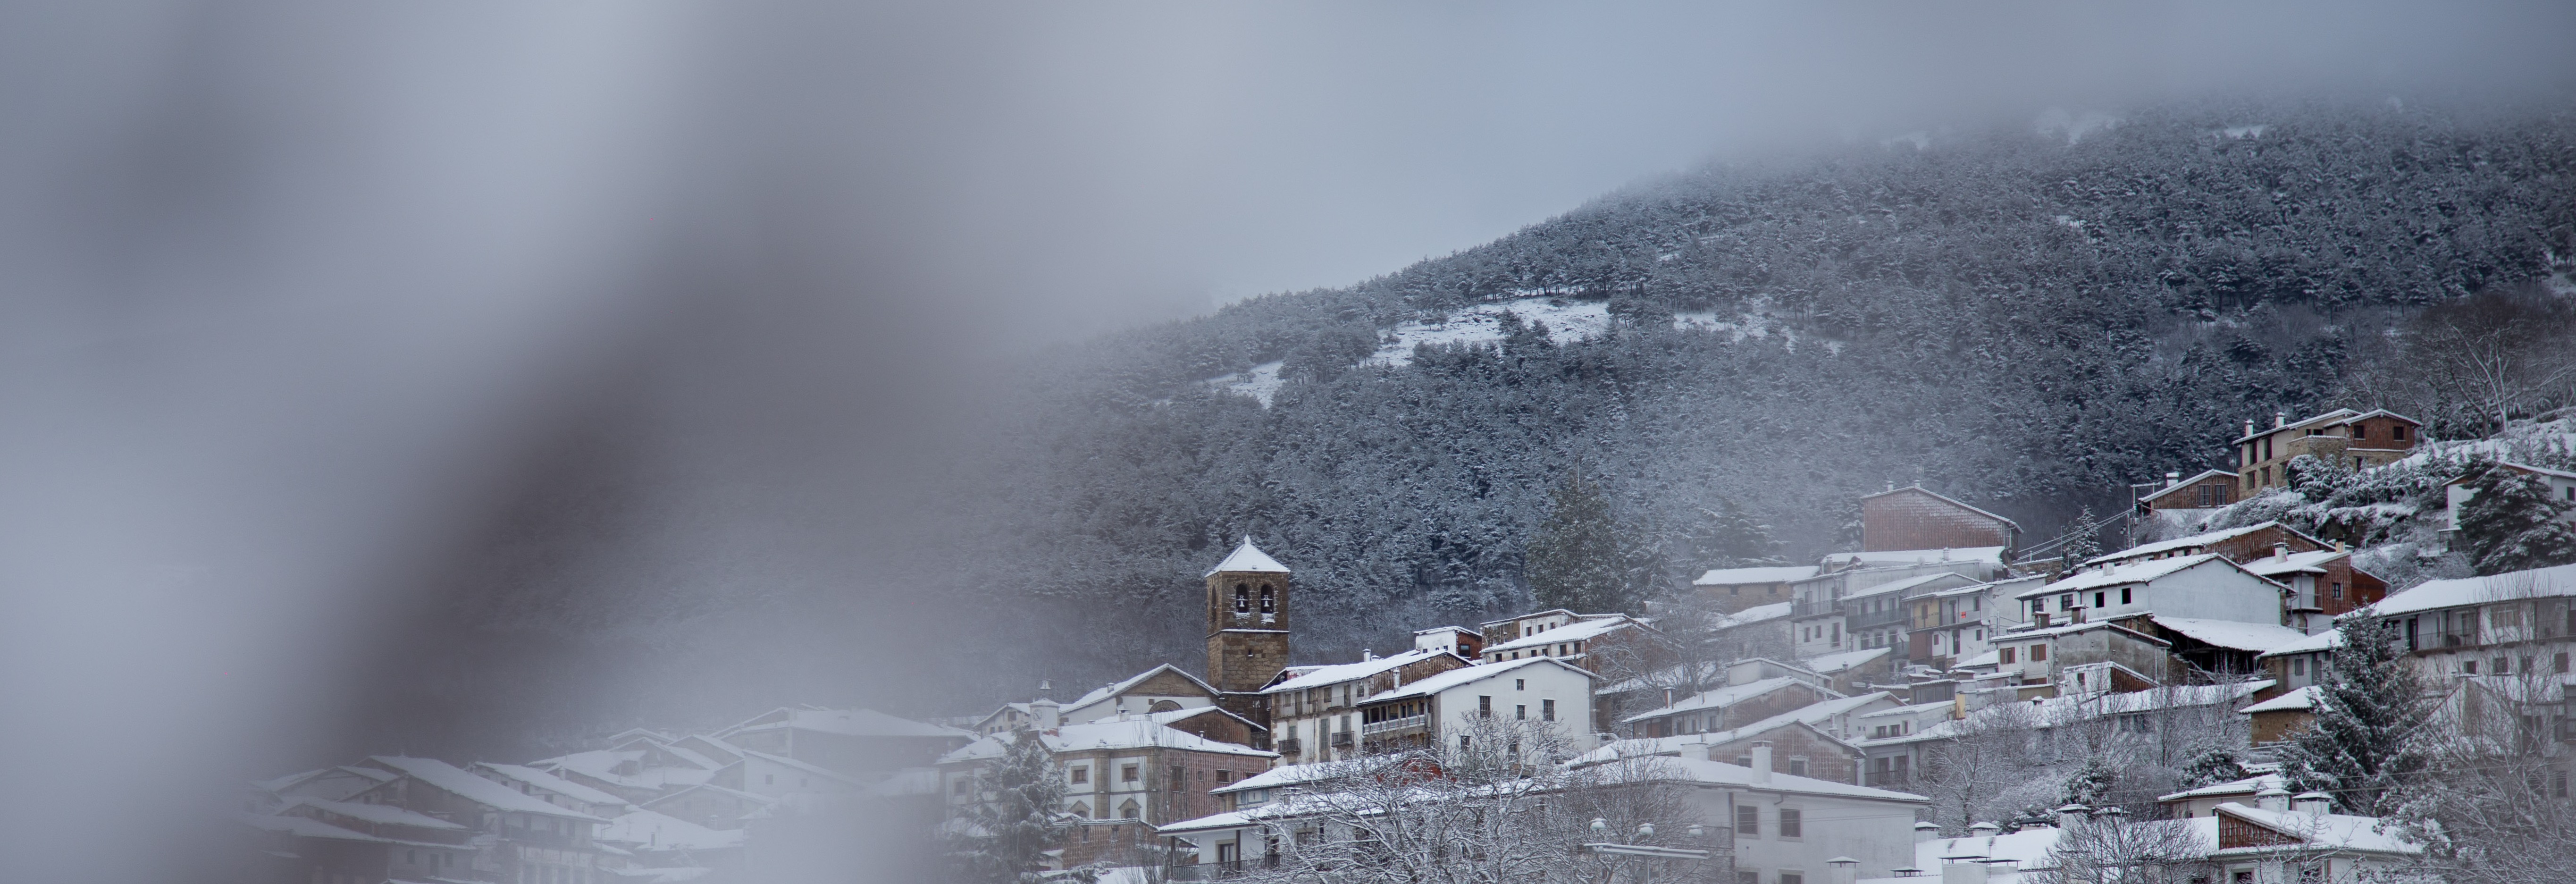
(301, 297)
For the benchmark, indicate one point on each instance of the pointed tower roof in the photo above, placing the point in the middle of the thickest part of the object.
(1248, 558)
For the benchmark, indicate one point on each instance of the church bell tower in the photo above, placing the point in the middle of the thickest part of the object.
(1247, 615)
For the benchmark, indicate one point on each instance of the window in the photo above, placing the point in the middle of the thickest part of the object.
(1797, 766)
(1748, 821)
(1242, 598)
(1269, 599)
(2124, 595)
(2038, 653)
(1462, 742)
(1792, 878)
(1520, 712)
(2338, 589)
(1127, 811)
(2004, 655)
(1081, 809)
(1180, 777)
(2503, 666)
(2098, 600)
(2066, 602)
(1127, 773)
(957, 788)
(2298, 666)
(1081, 774)
(2469, 666)
(1520, 684)
(1225, 776)
(1547, 708)
(1484, 707)
(2397, 432)
(2559, 663)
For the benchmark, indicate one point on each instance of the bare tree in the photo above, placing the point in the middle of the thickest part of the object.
(2115, 850)
(2472, 365)
(1498, 810)
(2493, 806)
(1975, 760)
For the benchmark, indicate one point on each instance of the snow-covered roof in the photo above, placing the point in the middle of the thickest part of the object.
(1812, 715)
(1716, 698)
(2140, 571)
(803, 767)
(1902, 585)
(1752, 615)
(2437, 594)
(1580, 630)
(2294, 563)
(550, 783)
(308, 827)
(1247, 557)
(2025, 850)
(1915, 709)
(650, 831)
(1133, 733)
(2180, 484)
(1732, 576)
(464, 784)
(2337, 416)
(1993, 555)
(2179, 543)
(1169, 716)
(2299, 700)
(2319, 830)
(2072, 628)
(1918, 487)
(2323, 641)
(2257, 637)
(376, 813)
(1989, 658)
(1341, 672)
(845, 722)
(1447, 629)
(1300, 774)
(1699, 770)
(1121, 686)
(1829, 664)
(2247, 786)
(1455, 677)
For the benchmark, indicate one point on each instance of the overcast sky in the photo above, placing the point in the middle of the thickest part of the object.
(298, 296)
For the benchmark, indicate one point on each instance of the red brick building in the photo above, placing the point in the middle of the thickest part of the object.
(2209, 490)
(1913, 518)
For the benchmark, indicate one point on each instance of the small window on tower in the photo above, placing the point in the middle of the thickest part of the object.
(1269, 600)
(1242, 598)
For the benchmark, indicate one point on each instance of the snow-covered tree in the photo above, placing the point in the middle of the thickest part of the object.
(2370, 705)
(2515, 524)
(1004, 837)
(2216, 764)
(1578, 561)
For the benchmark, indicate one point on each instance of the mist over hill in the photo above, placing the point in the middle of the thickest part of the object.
(2027, 318)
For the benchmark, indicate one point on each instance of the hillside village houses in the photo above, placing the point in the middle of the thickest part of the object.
(1927, 633)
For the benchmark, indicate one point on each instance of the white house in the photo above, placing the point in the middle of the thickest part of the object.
(1441, 709)
(2205, 586)
(1314, 710)
(1160, 689)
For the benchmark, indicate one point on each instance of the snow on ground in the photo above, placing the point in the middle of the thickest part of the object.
(1567, 321)
(2254, 131)
(1262, 382)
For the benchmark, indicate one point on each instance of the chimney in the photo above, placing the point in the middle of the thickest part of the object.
(1926, 831)
(1044, 714)
(1984, 830)
(2280, 420)
(2275, 798)
(2312, 803)
(2338, 546)
(1761, 762)
(2280, 552)
(1366, 654)
(2070, 816)
(2249, 428)
(2173, 479)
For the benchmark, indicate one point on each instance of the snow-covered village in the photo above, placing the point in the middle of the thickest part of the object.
(1318, 442)
(2229, 698)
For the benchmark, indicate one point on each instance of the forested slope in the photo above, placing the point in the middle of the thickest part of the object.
(2018, 318)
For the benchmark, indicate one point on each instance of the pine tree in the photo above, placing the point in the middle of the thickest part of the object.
(2368, 703)
(1577, 561)
(2218, 764)
(1011, 830)
(1725, 536)
(2084, 546)
(2513, 524)
(2090, 783)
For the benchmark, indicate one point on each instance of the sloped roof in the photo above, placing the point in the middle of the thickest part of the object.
(2436, 594)
(2247, 786)
(1993, 555)
(2323, 641)
(1455, 677)
(1342, 672)
(1945, 499)
(1812, 715)
(1828, 664)
(2140, 571)
(308, 827)
(551, 783)
(1727, 576)
(1104, 692)
(1580, 630)
(2204, 538)
(1752, 615)
(2336, 416)
(2181, 484)
(2295, 701)
(376, 813)
(1133, 733)
(464, 784)
(655, 831)
(1247, 557)
(1696, 770)
(2294, 563)
(1716, 698)
(802, 766)
(2256, 637)
(2322, 830)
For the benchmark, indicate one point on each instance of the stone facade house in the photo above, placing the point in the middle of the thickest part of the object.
(1913, 518)
(2355, 439)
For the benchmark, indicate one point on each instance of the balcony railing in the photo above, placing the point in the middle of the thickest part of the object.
(1395, 724)
(1290, 746)
(1877, 618)
(1804, 608)
(1341, 739)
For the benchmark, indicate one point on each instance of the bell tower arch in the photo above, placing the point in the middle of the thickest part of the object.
(1247, 614)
